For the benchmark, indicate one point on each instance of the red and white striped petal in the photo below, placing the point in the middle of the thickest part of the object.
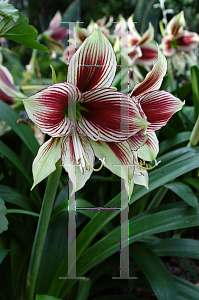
(94, 63)
(186, 41)
(166, 45)
(159, 107)
(118, 157)
(47, 108)
(138, 140)
(149, 54)
(110, 116)
(44, 163)
(150, 149)
(147, 36)
(77, 159)
(176, 24)
(153, 79)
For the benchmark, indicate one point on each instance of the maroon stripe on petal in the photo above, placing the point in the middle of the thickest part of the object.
(94, 64)
(159, 107)
(109, 116)
(153, 79)
(47, 109)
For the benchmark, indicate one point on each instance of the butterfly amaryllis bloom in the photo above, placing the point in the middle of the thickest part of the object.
(79, 113)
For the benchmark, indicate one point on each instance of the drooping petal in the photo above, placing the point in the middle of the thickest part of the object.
(109, 115)
(149, 54)
(159, 107)
(94, 63)
(138, 140)
(176, 24)
(77, 159)
(118, 157)
(153, 79)
(44, 163)
(47, 108)
(150, 149)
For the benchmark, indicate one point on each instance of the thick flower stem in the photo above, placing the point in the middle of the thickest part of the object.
(41, 231)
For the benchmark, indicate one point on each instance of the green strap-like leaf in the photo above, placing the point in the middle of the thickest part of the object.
(176, 247)
(8, 153)
(184, 192)
(20, 32)
(9, 10)
(8, 115)
(186, 290)
(156, 273)
(46, 297)
(11, 195)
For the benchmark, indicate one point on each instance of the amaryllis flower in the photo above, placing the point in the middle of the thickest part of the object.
(157, 107)
(53, 35)
(136, 49)
(82, 111)
(178, 41)
(80, 34)
(8, 93)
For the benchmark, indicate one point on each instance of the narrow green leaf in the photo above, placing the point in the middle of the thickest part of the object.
(3, 253)
(46, 297)
(195, 88)
(11, 195)
(178, 139)
(11, 155)
(22, 211)
(176, 247)
(9, 10)
(3, 219)
(155, 271)
(20, 32)
(166, 171)
(184, 192)
(83, 289)
(186, 290)
(194, 182)
(8, 115)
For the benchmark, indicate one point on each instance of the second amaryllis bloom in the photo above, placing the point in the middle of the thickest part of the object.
(82, 111)
(178, 42)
